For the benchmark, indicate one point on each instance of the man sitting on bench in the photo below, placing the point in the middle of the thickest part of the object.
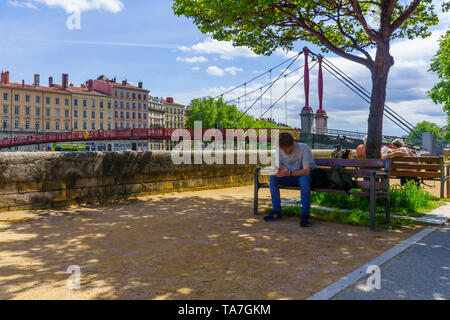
(295, 164)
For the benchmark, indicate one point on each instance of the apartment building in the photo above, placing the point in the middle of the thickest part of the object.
(29, 109)
(156, 111)
(175, 115)
(91, 109)
(130, 106)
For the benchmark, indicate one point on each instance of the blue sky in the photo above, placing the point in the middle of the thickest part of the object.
(144, 41)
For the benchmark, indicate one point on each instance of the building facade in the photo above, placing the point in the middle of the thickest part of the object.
(156, 111)
(130, 106)
(175, 114)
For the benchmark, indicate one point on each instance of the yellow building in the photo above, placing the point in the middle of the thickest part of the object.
(30, 109)
(91, 110)
(174, 116)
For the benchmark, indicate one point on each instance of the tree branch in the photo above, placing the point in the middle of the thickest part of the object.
(324, 40)
(401, 19)
(370, 32)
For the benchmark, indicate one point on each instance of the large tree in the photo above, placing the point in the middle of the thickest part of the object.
(348, 28)
(440, 94)
(426, 126)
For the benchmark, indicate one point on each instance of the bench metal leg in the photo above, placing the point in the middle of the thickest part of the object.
(387, 207)
(255, 199)
(373, 199)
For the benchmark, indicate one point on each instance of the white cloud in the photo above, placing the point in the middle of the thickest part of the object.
(199, 59)
(71, 6)
(225, 49)
(218, 72)
(195, 69)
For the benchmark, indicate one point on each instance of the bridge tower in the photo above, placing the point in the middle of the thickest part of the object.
(307, 114)
(321, 115)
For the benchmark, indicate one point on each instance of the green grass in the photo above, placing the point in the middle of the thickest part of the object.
(409, 200)
(354, 217)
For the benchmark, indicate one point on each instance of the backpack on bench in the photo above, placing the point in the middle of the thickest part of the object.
(340, 180)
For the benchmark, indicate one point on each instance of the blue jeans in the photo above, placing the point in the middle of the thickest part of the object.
(304, 182)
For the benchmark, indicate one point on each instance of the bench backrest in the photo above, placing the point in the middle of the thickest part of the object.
(417, 167)
(358, 168)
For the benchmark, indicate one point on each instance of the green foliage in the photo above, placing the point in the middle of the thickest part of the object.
(426, 126)
(211, 111)
(440, 93)
(409, 199)
(356, 217)
(338, 26)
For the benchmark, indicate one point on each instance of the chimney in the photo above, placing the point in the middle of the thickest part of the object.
(36, 80)
(6, 77)
(124, 82)
(23, 83)
(140, 85)
(3, 78)
(169, 99)
(90, 85)
(65, 80)
(50, 81)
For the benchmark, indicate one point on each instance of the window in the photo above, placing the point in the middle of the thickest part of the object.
(75, 102)
(115, 93)
(5, 96)
(101, 104)
(134, 95)
(101, 115)
(57, 101)
(140, 96)
(27, 98)
(93, 114)
(16, 98)
(5, 124)
(121, 114)
(101, 125)
(16, 110)
(66, 113)
(116, 125)
(93, 103)
(116, 114)
(109, 126)
(145, 106)
(139, 116)
(38, 112)
(27, 125)
(66, 126)
(116, 104)
(134, 105)
(16, 124)
(47, 126)
(134, 115)
(128, 115)
(84, 114)
(75, 113)
(84, 103)
(57, 126)
(38, 99)
(140, 106)
(47, 100)
(93, 125)
(121, 104)
(47, 112)
(37, 126)
(75, 125)
(128, 105)
(57, 113)
(128, 95)
(145, 116)
(121, 94)
(84, 126)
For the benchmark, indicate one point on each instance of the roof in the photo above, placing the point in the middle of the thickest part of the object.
(85, 90)
(173, 104)
(120, 85)
(54, 89)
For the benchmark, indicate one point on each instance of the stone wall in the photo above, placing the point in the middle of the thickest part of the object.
(45, 180)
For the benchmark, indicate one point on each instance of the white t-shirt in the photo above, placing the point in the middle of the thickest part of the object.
(300, 156)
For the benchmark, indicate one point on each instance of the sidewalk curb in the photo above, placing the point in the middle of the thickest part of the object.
(353, 277)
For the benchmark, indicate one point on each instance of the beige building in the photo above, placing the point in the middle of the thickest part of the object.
(91, 110)
(156, 111)
(30, 109)
(174, 117)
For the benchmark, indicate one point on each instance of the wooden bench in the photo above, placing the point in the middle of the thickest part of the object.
(371, 176)
(424, 169)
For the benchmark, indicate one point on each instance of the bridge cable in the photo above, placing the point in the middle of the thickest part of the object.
(257, 77)
(388, 115)
(279, 99)
(271, 85)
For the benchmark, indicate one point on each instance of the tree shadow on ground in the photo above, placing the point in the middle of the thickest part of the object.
(194, 245)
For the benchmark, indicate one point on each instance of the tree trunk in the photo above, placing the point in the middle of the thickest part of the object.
(380, 73)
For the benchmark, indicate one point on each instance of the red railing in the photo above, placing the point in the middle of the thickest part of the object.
(127, 134)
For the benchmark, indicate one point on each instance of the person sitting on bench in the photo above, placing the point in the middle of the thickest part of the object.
(295, 164)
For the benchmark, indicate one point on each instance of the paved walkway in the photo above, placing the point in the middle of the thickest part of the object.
(421, 272)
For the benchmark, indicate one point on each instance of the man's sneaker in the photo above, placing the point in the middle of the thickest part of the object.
(305, 222)
(273, 216)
